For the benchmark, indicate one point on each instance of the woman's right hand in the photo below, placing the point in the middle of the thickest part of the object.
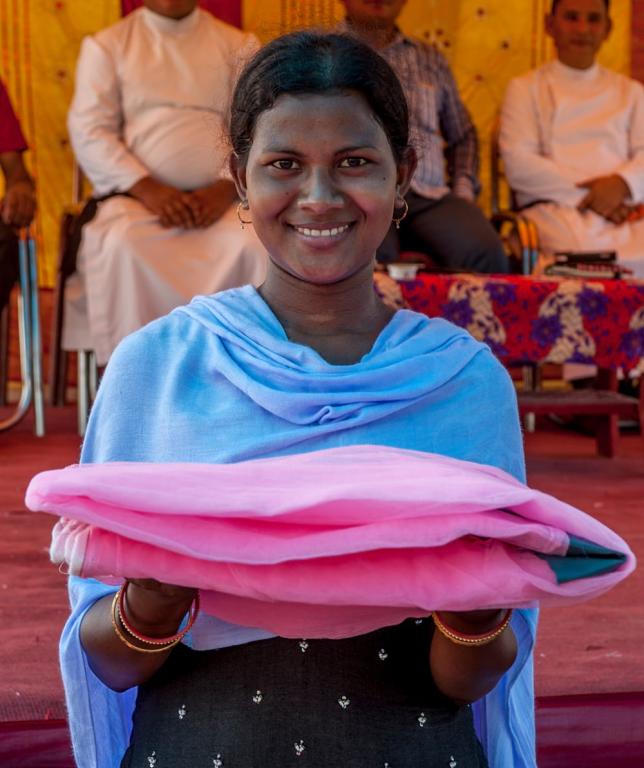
(155, 608)
(152, 609)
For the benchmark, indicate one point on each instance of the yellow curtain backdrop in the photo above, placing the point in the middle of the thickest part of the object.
(39, 42)
(486, 41)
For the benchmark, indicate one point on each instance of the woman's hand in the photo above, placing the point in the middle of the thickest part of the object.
(473, 622)
(155, 608)
(151, 608)
(466, 673)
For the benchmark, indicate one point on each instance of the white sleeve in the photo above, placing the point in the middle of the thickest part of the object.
(530, 174)
(95, 123)
(633, 170)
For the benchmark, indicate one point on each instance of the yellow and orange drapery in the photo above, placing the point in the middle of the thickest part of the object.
(486, 41)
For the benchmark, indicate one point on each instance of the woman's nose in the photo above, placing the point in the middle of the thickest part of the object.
(320, 193)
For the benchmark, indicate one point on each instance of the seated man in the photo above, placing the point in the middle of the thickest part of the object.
(18, 205)
(442, 220)
(572, 140)
(146, 124)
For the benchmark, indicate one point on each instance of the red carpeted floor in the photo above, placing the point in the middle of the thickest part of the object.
(589, 658)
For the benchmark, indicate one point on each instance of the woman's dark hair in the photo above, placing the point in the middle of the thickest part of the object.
(555, 3)
(314, 62)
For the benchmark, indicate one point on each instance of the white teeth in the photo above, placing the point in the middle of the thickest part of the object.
(322, 232)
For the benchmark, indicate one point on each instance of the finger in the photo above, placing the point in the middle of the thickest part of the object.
(620, 214)
(198, 208)
(585, 202)
(23, 211)
(183, 212)
(174, 213)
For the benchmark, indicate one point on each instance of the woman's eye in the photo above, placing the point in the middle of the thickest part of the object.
(352, 162)
(285, 164)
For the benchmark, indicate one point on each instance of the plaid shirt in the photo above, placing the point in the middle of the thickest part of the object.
(442, 131)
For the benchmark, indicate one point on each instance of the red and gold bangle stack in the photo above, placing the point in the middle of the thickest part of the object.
(472, 640)
(159, 644)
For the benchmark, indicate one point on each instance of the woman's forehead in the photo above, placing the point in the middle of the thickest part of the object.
(306, 118)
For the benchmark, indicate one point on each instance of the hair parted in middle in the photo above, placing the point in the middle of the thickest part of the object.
(312, 62)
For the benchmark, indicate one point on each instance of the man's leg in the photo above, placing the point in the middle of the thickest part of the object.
(454, 232)
(9, 264)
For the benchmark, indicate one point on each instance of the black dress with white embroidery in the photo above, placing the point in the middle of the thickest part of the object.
(361, 702)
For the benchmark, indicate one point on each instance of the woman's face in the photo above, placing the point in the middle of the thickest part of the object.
(321, 181)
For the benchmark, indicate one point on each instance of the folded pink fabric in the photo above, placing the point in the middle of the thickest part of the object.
(324, 544)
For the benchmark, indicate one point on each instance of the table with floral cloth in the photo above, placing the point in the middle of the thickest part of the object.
(535, 320)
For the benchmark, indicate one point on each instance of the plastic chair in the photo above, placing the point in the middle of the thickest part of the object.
(29, 337)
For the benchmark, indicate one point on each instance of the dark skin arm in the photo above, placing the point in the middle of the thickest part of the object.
(465, 673)
(19, 203)
(153, 609)
(461, 673)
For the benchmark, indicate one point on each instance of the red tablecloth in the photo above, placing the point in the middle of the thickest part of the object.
(528, 320)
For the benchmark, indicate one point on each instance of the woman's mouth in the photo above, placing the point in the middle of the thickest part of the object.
(319, 232)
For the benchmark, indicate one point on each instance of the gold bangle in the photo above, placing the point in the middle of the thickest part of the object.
(124, 639)
(472, 640)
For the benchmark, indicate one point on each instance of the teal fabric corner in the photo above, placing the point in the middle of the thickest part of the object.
(583, 560)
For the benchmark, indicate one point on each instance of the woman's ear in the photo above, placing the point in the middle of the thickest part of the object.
(406, 168)
(238, 173)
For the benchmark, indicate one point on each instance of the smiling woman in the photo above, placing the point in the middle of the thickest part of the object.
(311, 360)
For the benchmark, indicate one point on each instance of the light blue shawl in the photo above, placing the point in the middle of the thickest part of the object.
(219, 381)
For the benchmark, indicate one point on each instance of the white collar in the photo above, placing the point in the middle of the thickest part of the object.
(169, 26)
(572, 73)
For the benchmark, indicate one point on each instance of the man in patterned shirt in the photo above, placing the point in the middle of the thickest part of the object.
(443, 220)
(18, 205)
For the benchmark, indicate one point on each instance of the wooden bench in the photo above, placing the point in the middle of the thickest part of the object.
(603, 406)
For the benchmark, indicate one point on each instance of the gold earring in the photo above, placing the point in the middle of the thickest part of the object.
(243, 205)
(397, 219)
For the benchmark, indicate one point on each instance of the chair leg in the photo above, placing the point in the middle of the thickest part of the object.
(4, 355)
(58, 357)
(82, 390)
(531, 375)
(36, 345)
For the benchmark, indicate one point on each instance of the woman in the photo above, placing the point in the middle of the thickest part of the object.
(310, 360)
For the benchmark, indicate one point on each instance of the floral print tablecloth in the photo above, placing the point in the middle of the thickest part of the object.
(528, 320)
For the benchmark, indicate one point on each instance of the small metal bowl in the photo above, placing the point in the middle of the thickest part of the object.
(403, 270)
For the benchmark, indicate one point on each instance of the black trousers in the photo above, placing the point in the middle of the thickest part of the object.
(9, 264)
(361, 702)
(452, 231)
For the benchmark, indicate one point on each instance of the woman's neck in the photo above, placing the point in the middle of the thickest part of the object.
(340, 321)
(376, 37)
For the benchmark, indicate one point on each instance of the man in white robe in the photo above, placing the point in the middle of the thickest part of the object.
(572, 141)
(148, 121)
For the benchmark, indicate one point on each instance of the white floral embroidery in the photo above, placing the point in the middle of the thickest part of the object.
(303, 645)
(299, 747)
(152, 761)
(217, 761)
(452, 762)
(182, 711)
(422, 719)
(344, 702)
(418, 621)
(382, 654)
(257, 698)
